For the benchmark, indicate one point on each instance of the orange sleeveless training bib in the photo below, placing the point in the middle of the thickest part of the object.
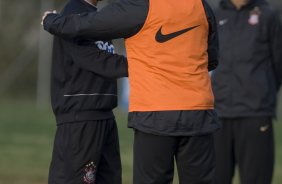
(168, 59)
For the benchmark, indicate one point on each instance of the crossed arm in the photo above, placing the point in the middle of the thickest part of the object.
(100, 62)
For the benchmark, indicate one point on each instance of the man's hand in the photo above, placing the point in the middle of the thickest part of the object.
(47, 13)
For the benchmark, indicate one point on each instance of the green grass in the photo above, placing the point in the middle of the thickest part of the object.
(26, 140)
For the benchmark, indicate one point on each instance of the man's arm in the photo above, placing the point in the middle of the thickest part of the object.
(213, 43)
(100, 62)
(117, 20)
(276, 45)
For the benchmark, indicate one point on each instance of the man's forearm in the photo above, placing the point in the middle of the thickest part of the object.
(213, 43)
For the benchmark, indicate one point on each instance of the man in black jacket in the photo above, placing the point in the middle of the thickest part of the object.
(245, 86)
(83, 94)
(160, 136)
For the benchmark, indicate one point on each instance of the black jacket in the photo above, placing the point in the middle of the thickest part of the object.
(250, 71)
(83, 80)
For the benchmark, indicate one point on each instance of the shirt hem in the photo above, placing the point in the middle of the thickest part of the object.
(178, 133)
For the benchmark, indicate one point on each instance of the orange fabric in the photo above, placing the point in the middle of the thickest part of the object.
(171, 75)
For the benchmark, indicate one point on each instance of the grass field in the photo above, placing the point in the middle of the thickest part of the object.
(26, 139)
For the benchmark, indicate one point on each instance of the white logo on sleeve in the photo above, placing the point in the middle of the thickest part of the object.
(106, 46)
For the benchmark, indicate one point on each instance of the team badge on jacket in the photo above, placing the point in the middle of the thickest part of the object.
(90, 174)
(254, 16)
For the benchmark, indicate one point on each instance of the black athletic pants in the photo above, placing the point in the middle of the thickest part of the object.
(247, 142)
(86, 153)
(154, 159)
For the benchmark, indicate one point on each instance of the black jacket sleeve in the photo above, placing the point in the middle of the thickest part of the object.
(117, 20)
(213, 43)
(100, 62)
(275, 33)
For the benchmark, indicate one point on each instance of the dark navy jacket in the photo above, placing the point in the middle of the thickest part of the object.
(250, 70)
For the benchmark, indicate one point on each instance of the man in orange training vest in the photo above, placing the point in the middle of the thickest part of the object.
(171, 46)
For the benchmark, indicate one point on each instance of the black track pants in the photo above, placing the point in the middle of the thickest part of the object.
(154, 159)
(247, 142)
